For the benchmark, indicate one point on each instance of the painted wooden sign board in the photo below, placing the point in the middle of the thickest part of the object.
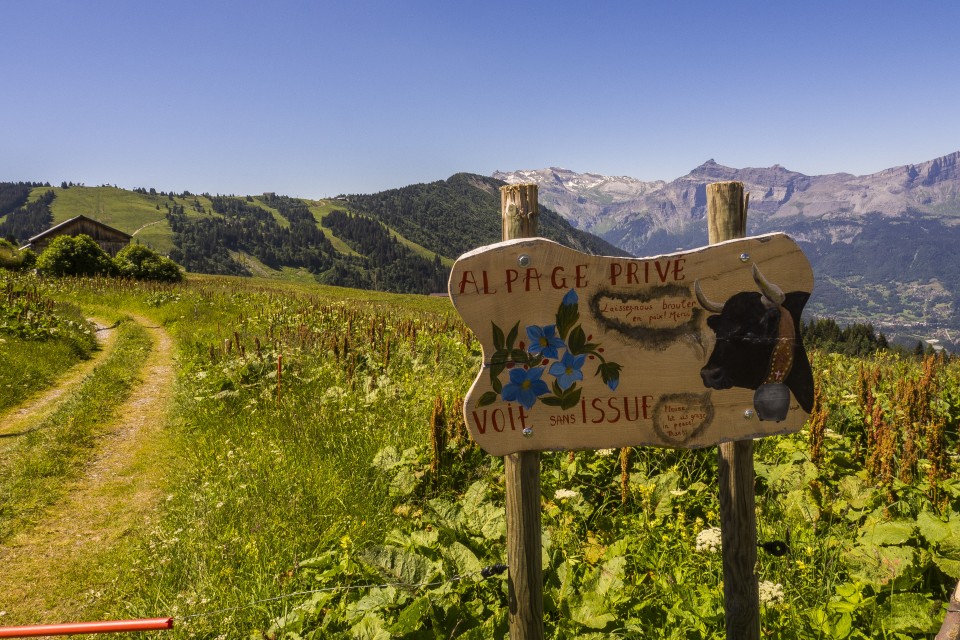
(682, 350)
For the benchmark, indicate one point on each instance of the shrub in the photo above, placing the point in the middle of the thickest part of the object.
(13, 258)
(143, 263)
(75, 256)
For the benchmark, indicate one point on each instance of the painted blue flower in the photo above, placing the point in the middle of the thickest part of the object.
(544, 341)
(571, 299)
(525, 386)
(568, 370)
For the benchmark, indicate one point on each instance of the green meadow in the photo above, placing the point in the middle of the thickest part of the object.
(318, 482)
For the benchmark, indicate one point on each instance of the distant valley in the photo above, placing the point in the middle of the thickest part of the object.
(885, 247)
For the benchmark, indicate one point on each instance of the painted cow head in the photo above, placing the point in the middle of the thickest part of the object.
(758, 341)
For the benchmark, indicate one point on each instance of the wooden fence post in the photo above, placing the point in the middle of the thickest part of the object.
(520, 211)
(950, 629)
(727, 220)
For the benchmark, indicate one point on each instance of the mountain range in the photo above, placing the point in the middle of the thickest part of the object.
(885, 247)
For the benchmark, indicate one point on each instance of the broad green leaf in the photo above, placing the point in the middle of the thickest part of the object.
(592, 611)
(461, 557)
(932, 528)
(910, 613)
(879, 565)
(611, 575)
(857, 493)
(947, 556)
(411, 618)
(400, 565)
(889, 533)
(371, 627)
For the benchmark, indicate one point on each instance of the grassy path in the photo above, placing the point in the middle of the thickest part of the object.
(53, 569)
(16, 419)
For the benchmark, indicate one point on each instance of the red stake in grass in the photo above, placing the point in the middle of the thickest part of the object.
(74, 628)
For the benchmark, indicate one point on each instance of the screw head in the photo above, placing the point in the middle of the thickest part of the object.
(744, 257)
(527, 432)
(523, 260)
(748, 414)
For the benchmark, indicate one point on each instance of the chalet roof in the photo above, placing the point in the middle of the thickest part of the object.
(53, 229)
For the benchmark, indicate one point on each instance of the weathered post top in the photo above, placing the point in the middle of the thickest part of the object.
(519, 210)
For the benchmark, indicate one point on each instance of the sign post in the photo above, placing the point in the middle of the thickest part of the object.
(727, 220)
(519, 210)
(686, 350)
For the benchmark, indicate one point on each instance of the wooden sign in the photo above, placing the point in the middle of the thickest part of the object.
(682, 350)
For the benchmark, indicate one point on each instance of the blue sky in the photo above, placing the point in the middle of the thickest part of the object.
(314, 99)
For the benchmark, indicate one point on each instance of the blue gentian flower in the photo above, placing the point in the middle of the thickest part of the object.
(568, 370)
(544, 341)
(525, 386)
(570, 299)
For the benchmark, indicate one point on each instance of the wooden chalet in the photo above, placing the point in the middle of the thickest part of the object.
(112, 240)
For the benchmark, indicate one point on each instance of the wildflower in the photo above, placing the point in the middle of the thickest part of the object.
(771, 592)
(525, 386)
(709, 540)
(544, 341)
(605, 452)
(567, 371)
(563, 494)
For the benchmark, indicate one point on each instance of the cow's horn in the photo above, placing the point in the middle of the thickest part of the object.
(771, 291)
(705, 302)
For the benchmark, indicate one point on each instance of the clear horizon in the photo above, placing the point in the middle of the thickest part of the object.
(316, 99)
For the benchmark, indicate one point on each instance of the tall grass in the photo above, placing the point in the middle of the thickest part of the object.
(316, 472)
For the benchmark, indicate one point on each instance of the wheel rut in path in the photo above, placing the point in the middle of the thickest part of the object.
(33, 409)
(43, 567)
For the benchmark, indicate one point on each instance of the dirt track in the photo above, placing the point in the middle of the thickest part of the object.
(117, 494)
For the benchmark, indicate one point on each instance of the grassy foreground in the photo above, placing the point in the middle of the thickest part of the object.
(318, 447)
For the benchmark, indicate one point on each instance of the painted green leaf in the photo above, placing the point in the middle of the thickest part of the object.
(498, 340)
(570, 398)
(512, 336)
(578, 339)
(487, 398)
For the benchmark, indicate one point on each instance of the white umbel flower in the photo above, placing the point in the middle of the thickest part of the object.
(771, 592)
(563, 494)
(708, 540)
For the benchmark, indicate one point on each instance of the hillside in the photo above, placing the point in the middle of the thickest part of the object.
(885, 246)
(402, 240)
(461, 213)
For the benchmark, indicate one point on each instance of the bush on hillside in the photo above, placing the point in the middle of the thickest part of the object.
(75, 256)
(143, 263)
(14, 259)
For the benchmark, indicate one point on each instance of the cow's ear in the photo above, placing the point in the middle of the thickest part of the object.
(770, 321)
(713, 321)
